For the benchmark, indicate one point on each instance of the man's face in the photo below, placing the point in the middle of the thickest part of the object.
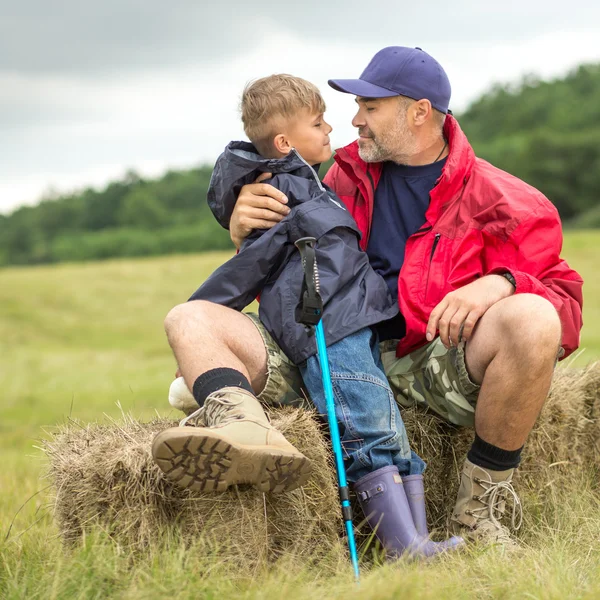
(309, 134)
(383, 129)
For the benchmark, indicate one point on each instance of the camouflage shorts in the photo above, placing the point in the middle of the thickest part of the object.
(284, 382)
(432, 377)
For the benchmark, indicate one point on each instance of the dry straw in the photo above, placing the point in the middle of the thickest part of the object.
(103, 477)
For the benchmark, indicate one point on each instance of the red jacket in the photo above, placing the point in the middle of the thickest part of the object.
(480, 221)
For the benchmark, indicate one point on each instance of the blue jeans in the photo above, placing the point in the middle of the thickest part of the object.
(371, 428)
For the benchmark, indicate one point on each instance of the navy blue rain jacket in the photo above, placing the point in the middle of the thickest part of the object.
(269, 264)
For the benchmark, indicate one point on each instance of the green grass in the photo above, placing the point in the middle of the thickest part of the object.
(87, 340)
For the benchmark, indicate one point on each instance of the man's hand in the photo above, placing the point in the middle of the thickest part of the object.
(457, 314)
(259, 206)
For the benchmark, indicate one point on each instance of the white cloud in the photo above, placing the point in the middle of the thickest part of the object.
(68, 131)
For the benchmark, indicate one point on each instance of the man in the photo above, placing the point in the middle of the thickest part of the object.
(470, 251)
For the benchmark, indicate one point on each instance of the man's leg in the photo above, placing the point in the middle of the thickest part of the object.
(223, 358)
(497, 384)
(512, 355)
(206, 336)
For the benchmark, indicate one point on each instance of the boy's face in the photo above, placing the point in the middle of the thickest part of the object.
(309, 134)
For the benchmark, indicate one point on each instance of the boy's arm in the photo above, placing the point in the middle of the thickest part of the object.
(236, 283)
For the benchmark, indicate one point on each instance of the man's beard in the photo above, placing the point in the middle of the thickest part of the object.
(396, 144)
(372, 151)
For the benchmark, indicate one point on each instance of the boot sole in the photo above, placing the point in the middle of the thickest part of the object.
(204, 461)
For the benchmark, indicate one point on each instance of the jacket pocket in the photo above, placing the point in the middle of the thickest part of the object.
(434, 267)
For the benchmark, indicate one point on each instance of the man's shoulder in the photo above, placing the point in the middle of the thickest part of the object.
(490, 185)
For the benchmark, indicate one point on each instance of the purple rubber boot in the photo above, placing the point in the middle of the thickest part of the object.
(383, 500)
(415, 494)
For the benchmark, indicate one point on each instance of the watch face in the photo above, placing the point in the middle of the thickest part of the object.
(510, 278)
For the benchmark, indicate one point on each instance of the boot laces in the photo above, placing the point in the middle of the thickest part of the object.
(219, 409)
(495, 494)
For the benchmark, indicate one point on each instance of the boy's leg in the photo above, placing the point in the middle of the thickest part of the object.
(371, 428)
(374, 438)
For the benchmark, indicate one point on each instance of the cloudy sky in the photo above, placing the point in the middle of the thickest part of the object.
(91, 89)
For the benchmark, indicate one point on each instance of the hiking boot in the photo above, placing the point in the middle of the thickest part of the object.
(481, 503)
(235, 444)
(181, 398)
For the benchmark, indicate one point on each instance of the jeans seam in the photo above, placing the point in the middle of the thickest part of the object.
(393, 409)
(361, 377)
(345, 412)
(362, 458)
(395, 438)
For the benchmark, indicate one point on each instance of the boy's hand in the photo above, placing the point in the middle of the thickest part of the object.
(259, 206)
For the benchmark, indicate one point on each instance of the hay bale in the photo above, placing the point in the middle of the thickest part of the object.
(104, 476)
(565, 439)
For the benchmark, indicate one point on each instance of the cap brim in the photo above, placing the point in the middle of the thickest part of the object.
(359, 87)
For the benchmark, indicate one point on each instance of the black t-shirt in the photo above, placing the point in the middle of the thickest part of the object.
(401, 201)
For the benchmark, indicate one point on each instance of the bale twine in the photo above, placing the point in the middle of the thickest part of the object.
(104, 477)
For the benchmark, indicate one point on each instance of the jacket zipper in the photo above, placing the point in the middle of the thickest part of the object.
(316, 178)
(370, 221)
(435, 243)
(436, 240)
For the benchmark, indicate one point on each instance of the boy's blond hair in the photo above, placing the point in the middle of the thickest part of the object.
(268, 102)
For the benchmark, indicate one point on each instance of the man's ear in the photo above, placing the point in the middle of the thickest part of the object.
(282, 144)
(421, 111)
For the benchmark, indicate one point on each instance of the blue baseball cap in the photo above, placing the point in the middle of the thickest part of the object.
(400, 71)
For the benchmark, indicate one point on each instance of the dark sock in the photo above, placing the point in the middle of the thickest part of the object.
(491, 457)
(215, 379)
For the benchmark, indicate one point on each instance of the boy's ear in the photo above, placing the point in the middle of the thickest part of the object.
(282, 144)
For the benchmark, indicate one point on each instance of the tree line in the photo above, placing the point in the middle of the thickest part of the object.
(545, 132)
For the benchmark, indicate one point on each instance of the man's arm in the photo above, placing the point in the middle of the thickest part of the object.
(259, 206)
(532, 256)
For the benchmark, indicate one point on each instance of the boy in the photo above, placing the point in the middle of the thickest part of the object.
(283, 117)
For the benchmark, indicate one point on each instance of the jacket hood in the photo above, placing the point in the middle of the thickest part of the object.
(240, 164)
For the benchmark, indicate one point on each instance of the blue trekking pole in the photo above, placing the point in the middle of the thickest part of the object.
(311, 311)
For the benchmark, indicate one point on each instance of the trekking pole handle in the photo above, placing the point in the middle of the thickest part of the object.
(311, 306)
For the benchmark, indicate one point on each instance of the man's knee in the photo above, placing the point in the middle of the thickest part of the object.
(526, 326)
(530, 322)
(181, 316)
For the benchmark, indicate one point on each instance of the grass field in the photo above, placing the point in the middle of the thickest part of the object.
(82, 340)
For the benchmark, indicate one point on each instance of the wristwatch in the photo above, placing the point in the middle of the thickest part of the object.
(507, 275)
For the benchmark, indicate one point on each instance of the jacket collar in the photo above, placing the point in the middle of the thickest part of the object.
(455, 174)
(240, 164)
